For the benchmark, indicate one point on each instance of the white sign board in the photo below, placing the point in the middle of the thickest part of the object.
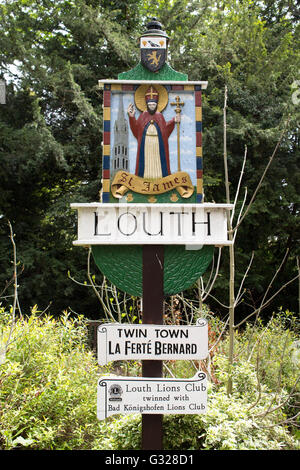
(141, 224)
(129, 395)
(118, 341)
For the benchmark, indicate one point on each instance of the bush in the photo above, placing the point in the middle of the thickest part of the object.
(276, 344)
(273, 350)
(122, 433)
(48, 385)
(264, 375)
(229, 424)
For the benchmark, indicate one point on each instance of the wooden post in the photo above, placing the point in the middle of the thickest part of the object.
(153, 291)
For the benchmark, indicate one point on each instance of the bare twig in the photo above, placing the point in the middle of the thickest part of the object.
(15, 275)
(225, 147)
(243, 280)
(218, 301)
(167, 368)
(261, 307)
(107, 311)
(220, 336)
(209, 288)
(118, 304)
(298, 267)
(263, 175)
(240, 213)
(258, 381)
(231, 254)
(200, 291)
(272, 280)
(15, 294)
(210, 275)
(280, 404)
(289, 421)
(239, 185)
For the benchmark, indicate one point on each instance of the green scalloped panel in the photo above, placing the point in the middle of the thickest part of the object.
(183, 267)
(141, 73)
(123, 266)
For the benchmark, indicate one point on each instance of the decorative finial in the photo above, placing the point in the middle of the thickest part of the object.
(153, 45)
(154, 28)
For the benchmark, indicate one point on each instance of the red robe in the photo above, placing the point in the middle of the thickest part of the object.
(164, 129)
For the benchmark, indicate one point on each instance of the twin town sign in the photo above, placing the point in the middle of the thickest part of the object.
(142, 342)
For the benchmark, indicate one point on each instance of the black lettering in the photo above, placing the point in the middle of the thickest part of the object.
(96, 226)
(157, 348)
(179, 220)
(135, 221)
(205, 223)
(161, 225)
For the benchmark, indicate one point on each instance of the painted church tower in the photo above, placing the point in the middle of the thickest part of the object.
(120, 149)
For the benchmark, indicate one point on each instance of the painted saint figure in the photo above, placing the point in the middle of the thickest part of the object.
(152, 133)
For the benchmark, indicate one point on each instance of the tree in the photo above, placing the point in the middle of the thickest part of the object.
(258, 62)
(53, 54)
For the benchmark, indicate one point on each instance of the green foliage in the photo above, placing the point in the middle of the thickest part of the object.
(123, 433)
(48, 385)
(229, 424)
(53, 54)
(273, 349)
(48, 382)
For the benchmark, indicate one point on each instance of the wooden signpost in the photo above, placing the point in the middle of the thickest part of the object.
(152, 221)
(153, 307)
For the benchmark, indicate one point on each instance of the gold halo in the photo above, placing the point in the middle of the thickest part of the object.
(139, 97)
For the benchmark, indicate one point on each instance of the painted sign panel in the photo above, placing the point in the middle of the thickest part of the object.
(159, 342)
(136, 224)
(153, 133)
(126, 395)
